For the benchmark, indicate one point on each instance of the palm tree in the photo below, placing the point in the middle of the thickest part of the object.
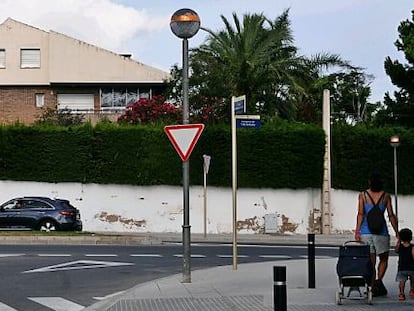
(256, 57)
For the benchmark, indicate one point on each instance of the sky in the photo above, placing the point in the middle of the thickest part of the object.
(360, 31)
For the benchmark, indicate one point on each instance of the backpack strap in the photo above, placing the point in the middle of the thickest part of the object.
(372, 200)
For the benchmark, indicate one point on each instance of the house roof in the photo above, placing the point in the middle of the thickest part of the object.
(68, 60)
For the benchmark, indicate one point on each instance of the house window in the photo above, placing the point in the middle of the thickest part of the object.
(115, 100)
(2, 58)
(40, 100)
(30, 58)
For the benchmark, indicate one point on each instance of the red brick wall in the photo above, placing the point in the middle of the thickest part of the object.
(18, 104)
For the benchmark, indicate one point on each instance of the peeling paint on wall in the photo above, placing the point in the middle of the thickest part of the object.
(315, 221)
(111, 218)
(171, 212)
(124, 208)
(250, 224)
(287, 226)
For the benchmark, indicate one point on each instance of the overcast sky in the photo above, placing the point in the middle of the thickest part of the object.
(361, 31)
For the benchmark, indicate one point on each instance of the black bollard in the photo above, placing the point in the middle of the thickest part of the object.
(311, 260)
(279, 288)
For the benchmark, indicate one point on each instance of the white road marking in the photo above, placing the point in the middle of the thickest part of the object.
(101, 255)
(327, 247)
(4, 307)
(11, 255)
(146, 255)
(276, 256)
(108, 296)
(79, 265)
(57, 303)
(231, 256)
(318, 257)
(285, 246)
(192, 256)
(54, 255)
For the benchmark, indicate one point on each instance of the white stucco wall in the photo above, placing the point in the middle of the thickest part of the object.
(123, 208)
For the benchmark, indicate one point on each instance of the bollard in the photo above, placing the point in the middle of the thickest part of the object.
(311, 260)
(279, 288)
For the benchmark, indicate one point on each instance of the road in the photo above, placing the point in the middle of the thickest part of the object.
(70, 277)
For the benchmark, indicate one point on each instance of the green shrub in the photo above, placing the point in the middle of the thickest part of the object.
(282, 155)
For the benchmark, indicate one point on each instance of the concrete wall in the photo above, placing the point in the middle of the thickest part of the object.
(19, 104)
(124, 208)
(64, 59)
(15, 36)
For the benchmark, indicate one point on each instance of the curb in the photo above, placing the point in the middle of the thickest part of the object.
(126, 239)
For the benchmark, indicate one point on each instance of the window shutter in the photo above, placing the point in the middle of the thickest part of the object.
(2, 58)
(30, 58)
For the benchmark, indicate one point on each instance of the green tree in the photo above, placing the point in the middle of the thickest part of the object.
(400, 109)
(349, 92)
(256, 57)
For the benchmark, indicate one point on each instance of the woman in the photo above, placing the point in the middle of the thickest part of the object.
(379, 242)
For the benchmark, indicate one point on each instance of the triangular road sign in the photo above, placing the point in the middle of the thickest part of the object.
(184, 137)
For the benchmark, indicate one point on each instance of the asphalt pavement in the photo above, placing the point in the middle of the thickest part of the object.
(251, 286)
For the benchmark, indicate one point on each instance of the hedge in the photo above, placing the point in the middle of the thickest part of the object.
(284, 155)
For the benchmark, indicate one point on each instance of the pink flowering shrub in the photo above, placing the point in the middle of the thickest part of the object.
(154, 110)
(209, 110)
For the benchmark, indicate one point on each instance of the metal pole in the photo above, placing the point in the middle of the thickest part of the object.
(396, 182)
(205, 203)
(311, 260)
(186, 182)
(279, 288)
(234, 183)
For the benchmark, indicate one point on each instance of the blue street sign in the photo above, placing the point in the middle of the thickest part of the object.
(248, 123)
(239, 106)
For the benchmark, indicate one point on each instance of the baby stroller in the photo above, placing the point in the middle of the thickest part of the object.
(355, 270)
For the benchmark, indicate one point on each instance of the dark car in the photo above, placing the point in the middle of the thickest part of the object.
(39, 213)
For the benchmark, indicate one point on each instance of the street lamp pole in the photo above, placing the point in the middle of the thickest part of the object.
(185, 23)
(395, 142)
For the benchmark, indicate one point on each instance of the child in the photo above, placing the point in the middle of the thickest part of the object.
(405, 251)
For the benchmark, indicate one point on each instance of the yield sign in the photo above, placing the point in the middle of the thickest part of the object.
(184, 137)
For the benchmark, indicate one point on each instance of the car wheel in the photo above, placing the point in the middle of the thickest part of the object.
(48, 225)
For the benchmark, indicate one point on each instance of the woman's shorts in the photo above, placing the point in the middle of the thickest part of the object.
(403, 276)
(378, 244)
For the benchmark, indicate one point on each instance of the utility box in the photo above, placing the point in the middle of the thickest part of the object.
(271, 223)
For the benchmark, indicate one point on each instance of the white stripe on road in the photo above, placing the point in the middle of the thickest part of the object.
(57, 303)
(54, 255)
(4, 307)
(145, 255)
(101, 255)
(108, 296)
(192, 256)
(318, 257)
(11, 255)
(276, 256)
(78, 265)
(231, 256)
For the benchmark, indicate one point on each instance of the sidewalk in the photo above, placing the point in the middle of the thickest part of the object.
(250, 287)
